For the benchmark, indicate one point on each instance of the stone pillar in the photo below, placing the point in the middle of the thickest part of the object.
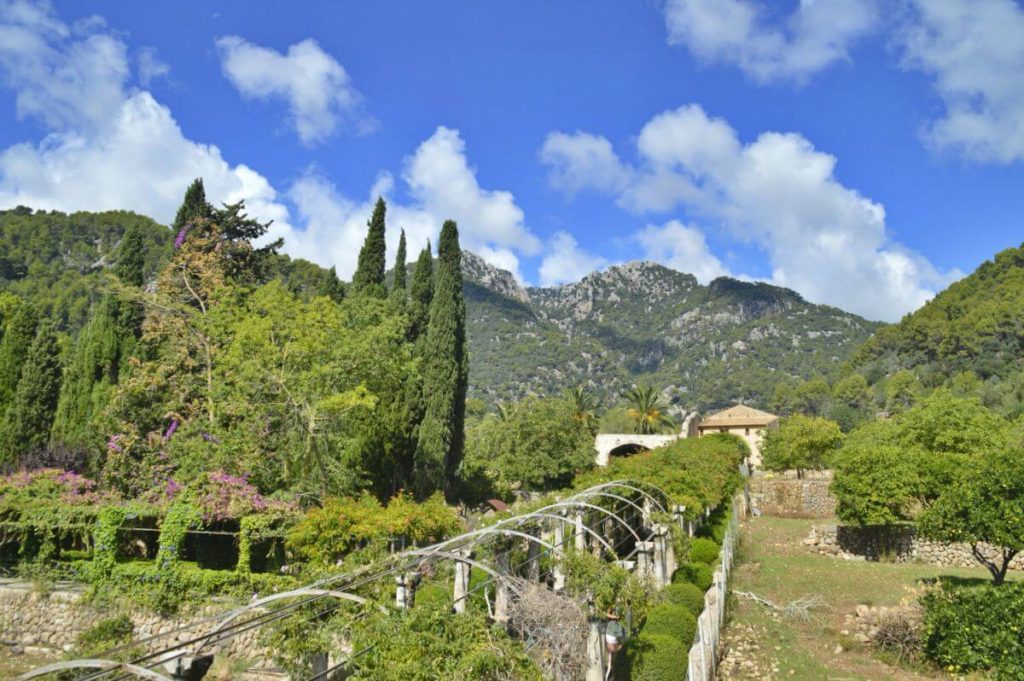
(596, 654)
(558, 555)
(659, 559)
(645, 559)
(678, 514)
(461, 588)
(580, 536)
(533, 559)
(501, 595)
(647, 510)
(405, 589)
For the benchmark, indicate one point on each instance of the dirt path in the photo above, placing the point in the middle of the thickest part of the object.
(821, 645)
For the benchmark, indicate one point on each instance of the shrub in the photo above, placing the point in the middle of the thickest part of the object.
(704, 551)
(654, 657)
(698, 574)
(976, 629)
(687, 595)
(105, 634)
(672, 620)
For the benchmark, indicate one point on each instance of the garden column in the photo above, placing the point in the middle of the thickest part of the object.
(559, 553)
(462, 572)
(501, 615)
(645, 559)
(580, 534)
(595, 651)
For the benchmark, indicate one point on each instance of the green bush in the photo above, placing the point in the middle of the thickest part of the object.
(704, 551)
(976, 629)
(698, 574)
(105, 634)
(671, 620)
(687, 595)
(656, 657)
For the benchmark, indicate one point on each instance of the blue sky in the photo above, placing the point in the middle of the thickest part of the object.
(863, 152)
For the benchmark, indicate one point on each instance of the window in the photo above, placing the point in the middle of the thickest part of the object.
(747, 431)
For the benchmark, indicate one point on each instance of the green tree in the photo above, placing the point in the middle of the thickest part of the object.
(647, 411)
(194, 206)
(398, 291)
(26, 425)
(421, 293)
(331, 286)
(901, 391)
(853, 391)
(369, 277)
(19, 333)
(985, 505)
(541, 445)
(445, 374)
(801, 443)
(814, 396)
(878, 485)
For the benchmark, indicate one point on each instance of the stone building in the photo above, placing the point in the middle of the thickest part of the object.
(746, 422)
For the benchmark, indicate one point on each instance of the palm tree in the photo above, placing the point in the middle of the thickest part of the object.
(647, 411)
(583, 403)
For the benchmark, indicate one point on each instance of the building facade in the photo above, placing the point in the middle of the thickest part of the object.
(746, 422)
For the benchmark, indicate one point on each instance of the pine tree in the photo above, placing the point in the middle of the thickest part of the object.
(194, 206)
(369, 277)
(26, 425)
(445, 375)
(331, 286)
(398, 291)
(131, 257)
(14, 348)
(421, 292)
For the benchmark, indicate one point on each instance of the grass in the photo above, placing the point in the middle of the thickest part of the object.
(774, 564)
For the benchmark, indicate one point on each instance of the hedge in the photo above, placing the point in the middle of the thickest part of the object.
(698, 574)
(686, 595)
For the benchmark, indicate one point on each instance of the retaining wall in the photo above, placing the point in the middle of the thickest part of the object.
(783, 495)
(894, 544)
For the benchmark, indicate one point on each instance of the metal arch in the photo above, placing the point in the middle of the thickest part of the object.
(306, 591)
(630, 484)
(614, 496)
(104, 665)
(595, 535)
(507, 579)
(570, 503)
(483, 532)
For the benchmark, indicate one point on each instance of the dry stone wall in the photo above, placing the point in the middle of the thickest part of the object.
(51, 622)
(894, 544)
(783, 495)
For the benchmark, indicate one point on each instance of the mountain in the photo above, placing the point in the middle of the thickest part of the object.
(642, 322)
(977, 325)
(638, 322)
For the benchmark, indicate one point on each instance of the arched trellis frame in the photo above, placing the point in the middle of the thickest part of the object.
(99, 665)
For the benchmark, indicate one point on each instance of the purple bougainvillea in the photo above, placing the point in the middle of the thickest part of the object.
(114, 443)
(170, 429)
(179, 240)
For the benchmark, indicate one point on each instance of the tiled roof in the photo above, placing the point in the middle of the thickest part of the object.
(738, 416)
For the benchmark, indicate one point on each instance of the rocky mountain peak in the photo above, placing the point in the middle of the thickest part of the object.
(502, 282)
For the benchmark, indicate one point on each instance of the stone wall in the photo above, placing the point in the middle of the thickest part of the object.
(51, 622)
(894, 544)
(783, 495)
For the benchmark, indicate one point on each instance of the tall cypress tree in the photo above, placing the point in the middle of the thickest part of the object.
(194, 206)
(369, 277)
(421, 292)
(398, 284)
(445, 375)
(26, 426)
(18, 335)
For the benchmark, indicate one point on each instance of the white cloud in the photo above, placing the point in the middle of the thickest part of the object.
(744, 33)
(682, 248)
(150, 66)
(821, 238)
(319, 91)
(974, 52)
(109, 145)
(582, 160)
(566, 261)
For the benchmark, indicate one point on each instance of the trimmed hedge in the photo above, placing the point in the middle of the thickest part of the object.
(686, 595)
(698, 574)
(671, 620)
(976, 629)
(704, 551)
(656, 657)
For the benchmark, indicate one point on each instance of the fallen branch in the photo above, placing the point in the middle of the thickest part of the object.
(800, 609)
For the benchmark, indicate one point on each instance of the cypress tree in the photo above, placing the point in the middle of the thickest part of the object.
(14, 348)
(26, 426)
(331, 286)
(194, 206)
(369, 277)
(421, 292)
(398, 284)
(445, 375)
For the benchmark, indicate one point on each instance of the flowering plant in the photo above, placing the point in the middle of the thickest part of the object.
(222, 496)
(49, 484)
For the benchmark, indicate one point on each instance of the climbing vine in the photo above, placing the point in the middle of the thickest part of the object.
(104, 557)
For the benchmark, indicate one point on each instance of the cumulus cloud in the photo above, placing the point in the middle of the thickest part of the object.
(150, 66)
(821, 238)
(974, 52)
(566, 261)
(744, 33)
(683, 248)
(318, 90)
(582, 160)
(109, 145)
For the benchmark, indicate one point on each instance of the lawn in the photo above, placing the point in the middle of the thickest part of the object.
(773, 564)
